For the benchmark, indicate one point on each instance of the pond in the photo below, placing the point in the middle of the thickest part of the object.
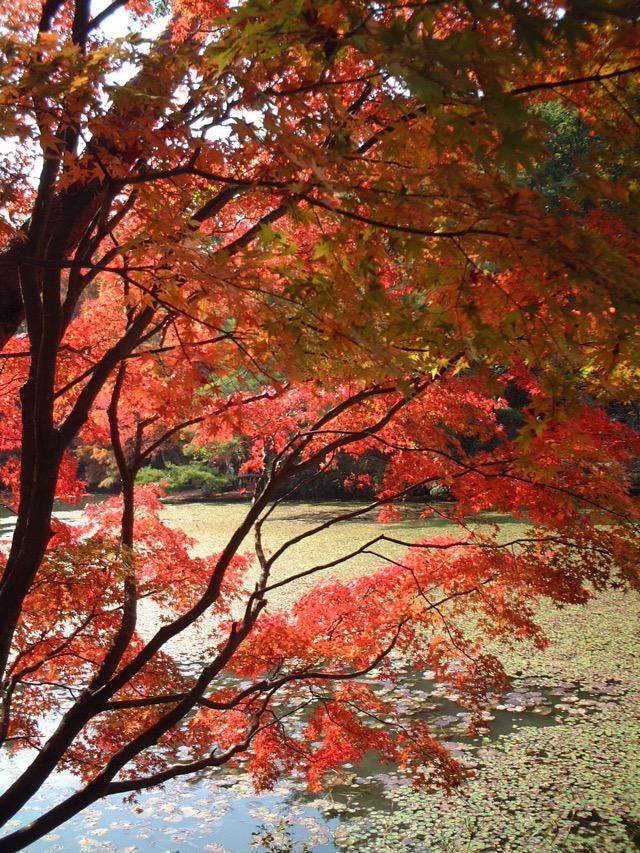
(557, 769)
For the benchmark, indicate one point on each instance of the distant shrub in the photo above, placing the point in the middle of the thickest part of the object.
(440, 493)
(193, 476)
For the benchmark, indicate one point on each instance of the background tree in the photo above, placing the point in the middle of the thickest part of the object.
(306, 223)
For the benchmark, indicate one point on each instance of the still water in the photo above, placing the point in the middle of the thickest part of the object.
(220, 811)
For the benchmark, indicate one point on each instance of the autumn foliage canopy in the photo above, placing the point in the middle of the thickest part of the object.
(341, 230)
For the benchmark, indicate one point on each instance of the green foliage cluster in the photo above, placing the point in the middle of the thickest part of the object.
(195, 475)
(570, 142)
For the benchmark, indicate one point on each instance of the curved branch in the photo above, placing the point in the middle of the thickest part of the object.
(574, 81)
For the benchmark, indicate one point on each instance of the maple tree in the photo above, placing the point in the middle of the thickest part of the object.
(322, 226)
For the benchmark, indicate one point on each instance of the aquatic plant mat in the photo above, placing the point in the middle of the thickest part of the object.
(570, 783)
(558, 768)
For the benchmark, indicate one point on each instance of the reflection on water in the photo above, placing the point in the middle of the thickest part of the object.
(196, 814)
(65, 512)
